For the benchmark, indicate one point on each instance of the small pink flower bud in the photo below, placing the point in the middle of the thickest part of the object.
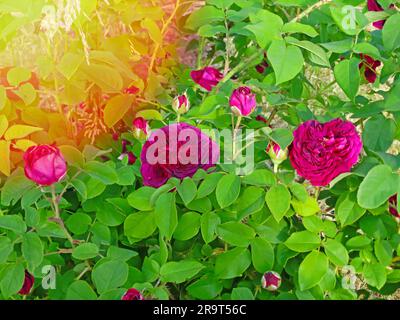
(242, 101)
(207, 78)
(393, 206)
(131, 90)
(181, 104)
(141, 128)
(132, 294)
(271, 281)
(275, 152)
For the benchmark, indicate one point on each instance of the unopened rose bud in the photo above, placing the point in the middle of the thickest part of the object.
(131, 90)
(393, 206)
(181, 104)
(132, 294)
(276, 154)
(271, 281)
(29, 280)
(242, 101)
(141, 128)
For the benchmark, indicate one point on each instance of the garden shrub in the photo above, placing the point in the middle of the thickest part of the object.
(283, 186)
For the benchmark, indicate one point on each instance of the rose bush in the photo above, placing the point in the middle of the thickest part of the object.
(200, 150)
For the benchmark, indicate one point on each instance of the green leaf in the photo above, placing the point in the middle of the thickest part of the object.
(375, 275)
(116, 108)
(303, 241)
(232, 263)
(78, 223)
(282, 136)
(14, 188)
(85, 251)
(187, 190)
(208, 185)
(178, 272)
(262, 255)
(13, 223)
(260, 177)
(347, 210)
(312, 269)
(242, 293)
(140, 198)
(209, 223)
(101, 171)
(109, 275)
(69, 64)
(299, 191)
(228, 189)
(391, 33)
(188, 226)
(336, 252)
(307, 208)
(13, 279)
(279, 54)
(166, 214)
(80, 290)
(32, 250)
(265, 20)
(6, 247)
(140, 225)
(204, 16)
(318, 54)
(379, 184)
(251, 200)
(236, 233)
(384, 252)
(122, 254)
(379, 133)
(205, 289)
(278, 201)
(347, 75)
(296, 27)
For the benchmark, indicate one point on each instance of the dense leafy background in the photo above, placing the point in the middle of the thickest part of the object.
(214, 235)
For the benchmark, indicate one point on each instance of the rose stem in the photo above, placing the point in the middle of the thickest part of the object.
(58, 217)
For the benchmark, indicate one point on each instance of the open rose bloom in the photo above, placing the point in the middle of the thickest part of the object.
(177, 150)
(44, 164)
(322, 151)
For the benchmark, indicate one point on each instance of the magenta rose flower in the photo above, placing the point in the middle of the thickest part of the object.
(369, 65)
(393, 206)
(242, 101)
(322, 151)
(132, 294)
(177, 150)
(207, 78)
(271, 281)
(29, 280)
(44, 164)
(373, 5)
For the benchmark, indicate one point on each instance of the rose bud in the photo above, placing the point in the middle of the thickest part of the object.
(131, 90)
(260, 68)
(393, 206)
(141, 128)
(207, 78)
(276, 154)
(115, 136)
(322, 151)
(131, 157)
(132, 294)
(242, 101)
(271, 281)
(44, 164)
(29, 280)
(181, 104)
(369, 65)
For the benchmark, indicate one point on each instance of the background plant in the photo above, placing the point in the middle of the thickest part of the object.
(214, 235)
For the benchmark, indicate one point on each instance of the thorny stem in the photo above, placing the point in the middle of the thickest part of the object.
(164, 28)
(58, 219)
(306, 12)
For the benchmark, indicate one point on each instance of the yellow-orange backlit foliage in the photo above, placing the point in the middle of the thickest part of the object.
(72, 70)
